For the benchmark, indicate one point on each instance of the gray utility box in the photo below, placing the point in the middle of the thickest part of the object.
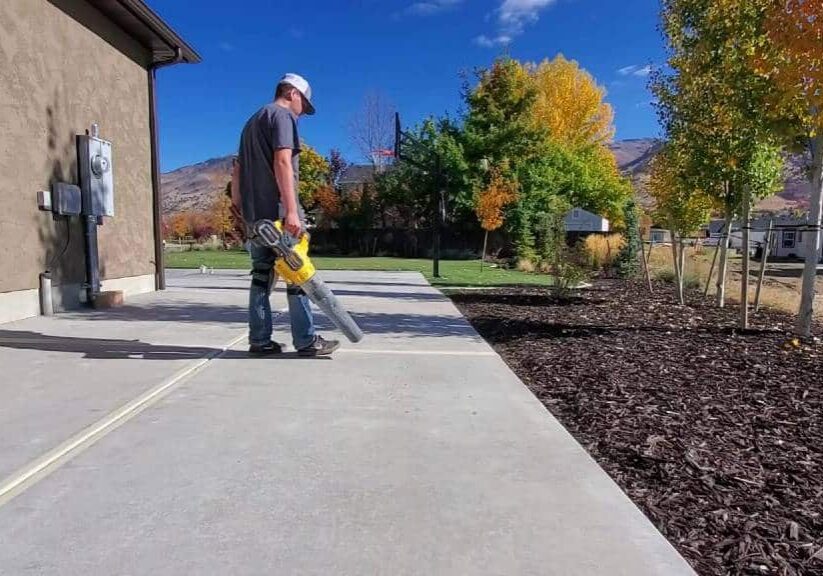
(66, 199)
(96, 175)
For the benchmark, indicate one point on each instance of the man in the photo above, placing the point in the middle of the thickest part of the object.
(265, 185)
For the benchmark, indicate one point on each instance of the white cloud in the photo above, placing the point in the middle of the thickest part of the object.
(512, 18)
(431, 6)
(486, 42)
(514, 15)
(635, 70)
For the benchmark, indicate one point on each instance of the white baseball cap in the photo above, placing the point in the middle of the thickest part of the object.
(302, 86)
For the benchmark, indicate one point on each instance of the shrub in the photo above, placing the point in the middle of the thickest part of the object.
(691, 282)
(601, 252)
(665, 275)
(627, 263)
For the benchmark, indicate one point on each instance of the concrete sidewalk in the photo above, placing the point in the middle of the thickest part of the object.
(415, 452)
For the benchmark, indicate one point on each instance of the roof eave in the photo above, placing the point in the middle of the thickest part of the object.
(149, 29)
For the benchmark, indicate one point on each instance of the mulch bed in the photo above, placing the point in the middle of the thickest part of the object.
(717, 435)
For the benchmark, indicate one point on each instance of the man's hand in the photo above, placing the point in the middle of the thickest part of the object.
(292, 224)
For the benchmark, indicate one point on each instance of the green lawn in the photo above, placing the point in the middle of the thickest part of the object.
(452, 272)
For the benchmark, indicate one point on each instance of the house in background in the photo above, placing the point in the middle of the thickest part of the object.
(660, 236)
(355, 177)
(66, 65)
(790, 238)
(580, 222)
(714, 229)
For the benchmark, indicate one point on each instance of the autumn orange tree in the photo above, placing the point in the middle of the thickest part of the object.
(491, 202)
(180, 225)
(791, 56)
(328, 200)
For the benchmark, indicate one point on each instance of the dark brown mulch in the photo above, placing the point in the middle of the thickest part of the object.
(715, 434)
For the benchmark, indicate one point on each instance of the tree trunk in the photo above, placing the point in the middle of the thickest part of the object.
(764, 259)
(483, 254)
(804, 320)
(646, 264)
(676, 266)
(744, 283)
(724, 261)
(714, 263)
(682, 271)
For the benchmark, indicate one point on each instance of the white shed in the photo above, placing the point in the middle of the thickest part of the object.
(579, 220)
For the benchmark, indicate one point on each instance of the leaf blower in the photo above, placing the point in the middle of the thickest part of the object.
(294, 266)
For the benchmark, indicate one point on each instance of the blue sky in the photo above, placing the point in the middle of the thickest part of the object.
(413, 52)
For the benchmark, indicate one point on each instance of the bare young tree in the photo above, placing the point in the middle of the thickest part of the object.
(372, 129)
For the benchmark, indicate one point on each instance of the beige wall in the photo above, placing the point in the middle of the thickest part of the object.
(57, 77)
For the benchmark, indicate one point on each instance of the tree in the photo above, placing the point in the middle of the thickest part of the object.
(627, 265)
(548, 124)
(792, 58)
(314, 174)
(328, 200)
(202, 225)
(180, 225)
(498, 125)
(681, 206)
(372, 128)
(222, 220)
(712, 107)
(414, 186)
(337, 166)
(490, 203)
(585, 179)
(570, 105)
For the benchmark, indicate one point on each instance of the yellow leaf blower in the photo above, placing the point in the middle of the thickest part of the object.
(294, 266)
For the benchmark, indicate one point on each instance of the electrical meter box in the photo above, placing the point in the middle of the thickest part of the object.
(96, 175)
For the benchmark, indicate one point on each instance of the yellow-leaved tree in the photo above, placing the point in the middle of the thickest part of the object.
(792, 57)
(571, 105)
(681, 206)
(221, 217)
(314, 174)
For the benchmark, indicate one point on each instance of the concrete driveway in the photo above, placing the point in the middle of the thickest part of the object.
(143, 440)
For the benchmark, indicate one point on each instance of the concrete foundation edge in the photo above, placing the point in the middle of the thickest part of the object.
(22, 304)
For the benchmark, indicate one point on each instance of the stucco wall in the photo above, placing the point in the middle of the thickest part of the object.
(64, 66)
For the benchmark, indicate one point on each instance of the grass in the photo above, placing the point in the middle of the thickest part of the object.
(778, 294)
(453, 272)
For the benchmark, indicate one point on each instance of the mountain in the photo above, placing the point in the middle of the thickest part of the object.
(196, 187)
(634, 157)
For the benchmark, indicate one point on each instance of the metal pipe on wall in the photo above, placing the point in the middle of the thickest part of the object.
(159, 258)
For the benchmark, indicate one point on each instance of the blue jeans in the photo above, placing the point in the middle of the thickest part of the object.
(260, 320)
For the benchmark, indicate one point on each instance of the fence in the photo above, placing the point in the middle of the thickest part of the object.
(398, 242)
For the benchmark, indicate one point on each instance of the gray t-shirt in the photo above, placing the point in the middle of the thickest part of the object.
(271, 128)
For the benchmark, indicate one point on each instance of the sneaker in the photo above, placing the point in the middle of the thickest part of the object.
(319, 347)
(269, 349)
